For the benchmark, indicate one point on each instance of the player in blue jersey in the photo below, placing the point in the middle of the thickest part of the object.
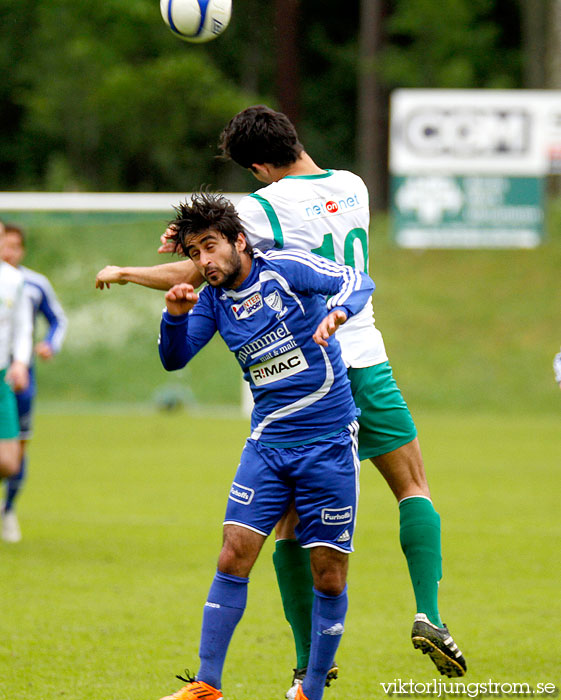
(306, 207)
(44, 303)
(271, 310)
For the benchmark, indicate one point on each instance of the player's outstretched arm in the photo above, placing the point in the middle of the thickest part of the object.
(328, 326)
(156, 277)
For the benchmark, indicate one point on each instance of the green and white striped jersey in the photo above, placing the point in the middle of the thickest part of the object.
(327, 214)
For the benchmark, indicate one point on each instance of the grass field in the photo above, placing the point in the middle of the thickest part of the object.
(122, 512)
(121, 518)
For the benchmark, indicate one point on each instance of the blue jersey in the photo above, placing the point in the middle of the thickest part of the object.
(300, 389)
(44, 301)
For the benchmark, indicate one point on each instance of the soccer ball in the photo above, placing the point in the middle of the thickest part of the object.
(196, 20)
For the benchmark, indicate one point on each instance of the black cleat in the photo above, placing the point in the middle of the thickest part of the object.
(439, 645)
(298, 677)
(332, 674)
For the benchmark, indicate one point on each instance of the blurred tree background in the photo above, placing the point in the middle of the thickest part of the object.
(102, 97)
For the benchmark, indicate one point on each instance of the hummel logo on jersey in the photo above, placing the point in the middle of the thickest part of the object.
(241, 494)
(248, 306)
(278, 367)
(266, 342)
(335, 630)
(344, 537)
(337, 516)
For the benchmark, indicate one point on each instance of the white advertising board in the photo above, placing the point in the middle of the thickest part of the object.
(466, 132)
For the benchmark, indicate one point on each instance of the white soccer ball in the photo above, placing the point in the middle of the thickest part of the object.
(196, 20)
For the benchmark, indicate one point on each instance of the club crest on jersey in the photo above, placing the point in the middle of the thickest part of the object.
(248, 306)
(274, 302)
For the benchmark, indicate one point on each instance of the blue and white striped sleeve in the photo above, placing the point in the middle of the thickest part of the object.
(347, 288)
(54, 314)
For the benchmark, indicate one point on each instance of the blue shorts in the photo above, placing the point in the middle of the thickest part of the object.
(25, 401)
(321, 477)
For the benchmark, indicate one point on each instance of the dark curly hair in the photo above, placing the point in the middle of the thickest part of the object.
(260, 135)
(205, 211)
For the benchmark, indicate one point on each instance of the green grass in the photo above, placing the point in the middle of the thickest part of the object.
(468, 330)
(121, 520)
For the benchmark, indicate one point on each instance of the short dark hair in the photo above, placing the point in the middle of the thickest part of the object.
(260, 135)
(205, 211)
(13, 228)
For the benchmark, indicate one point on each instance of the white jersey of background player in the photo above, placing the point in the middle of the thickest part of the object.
(557, 368)
(327, 214)
(15, 318)
(15, 356)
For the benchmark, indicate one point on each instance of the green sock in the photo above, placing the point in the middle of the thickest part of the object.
(292, 564)
(419, 535)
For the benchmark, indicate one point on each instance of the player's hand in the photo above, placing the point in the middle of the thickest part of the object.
(167, 244)
(111, 274)
(44, 350)
(181, 298)
(17, 376)
(328, 326)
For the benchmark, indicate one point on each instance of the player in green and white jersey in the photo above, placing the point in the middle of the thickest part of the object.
(327, 214)
(327, 211)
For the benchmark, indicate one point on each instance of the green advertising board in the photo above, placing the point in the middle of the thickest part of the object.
(444, 211)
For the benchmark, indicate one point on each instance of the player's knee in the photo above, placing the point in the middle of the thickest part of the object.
(9, 466)
(404, 471)
(329, 570)
(331, 582)
(231, 560)
(240, 549)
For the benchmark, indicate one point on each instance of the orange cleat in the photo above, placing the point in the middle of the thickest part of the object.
(300, 694)
(195, 690)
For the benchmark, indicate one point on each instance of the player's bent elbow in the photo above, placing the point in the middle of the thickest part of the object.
(171, 362)
(173, 366)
